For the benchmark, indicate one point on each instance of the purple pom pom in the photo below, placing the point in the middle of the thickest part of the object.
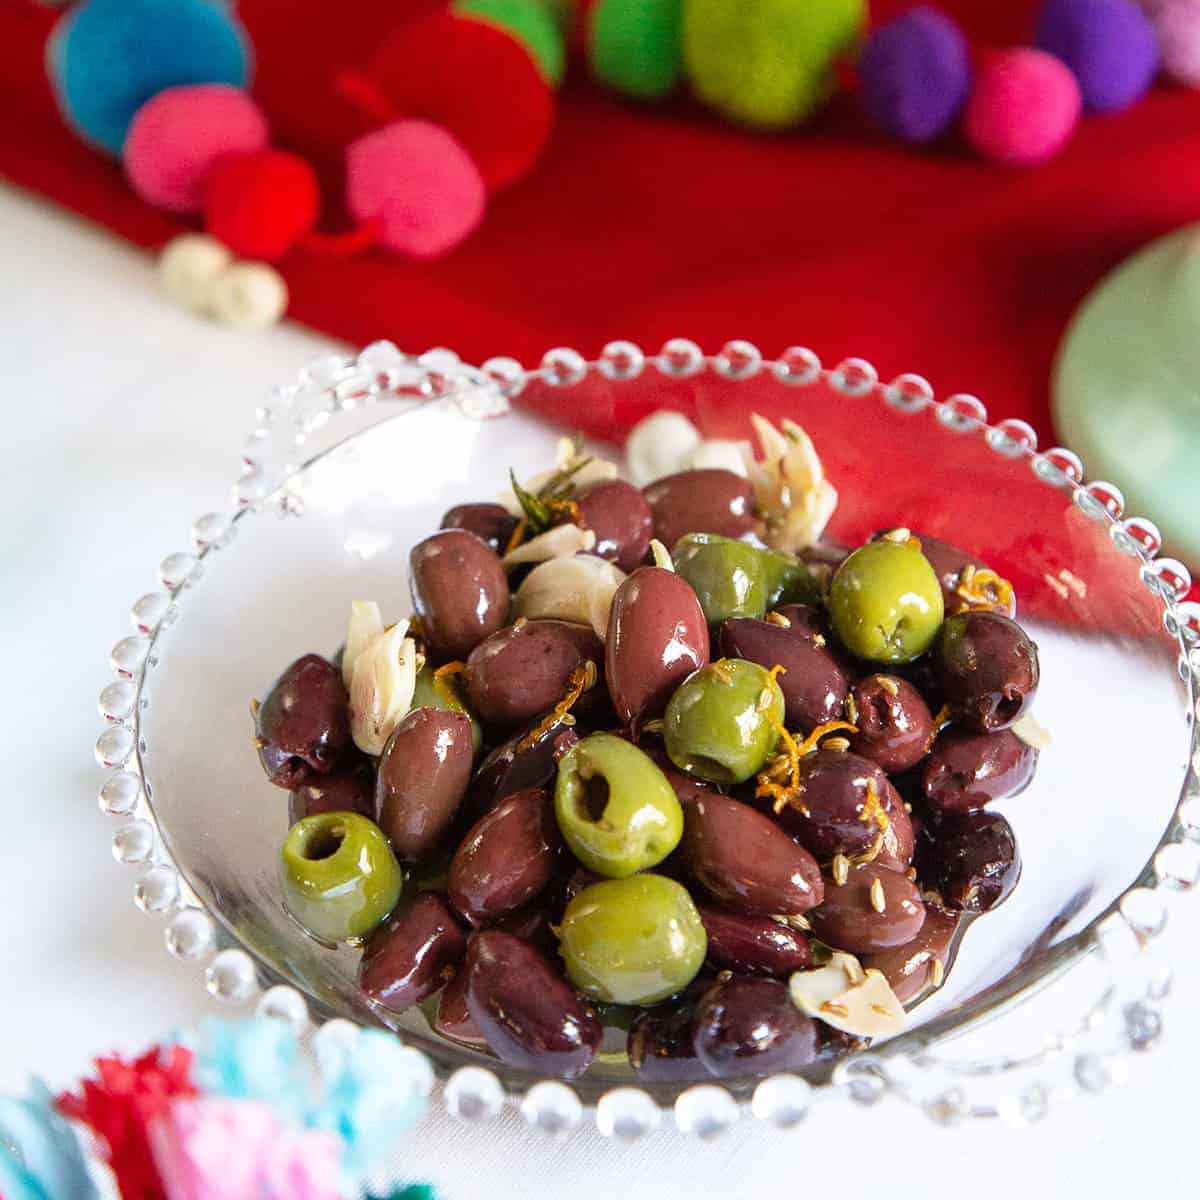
(1110, 46)
(915, 73)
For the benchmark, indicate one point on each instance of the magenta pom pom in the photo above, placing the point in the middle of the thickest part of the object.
(1023, 109)
(1177, 23)
(177, 136)
(418, 183)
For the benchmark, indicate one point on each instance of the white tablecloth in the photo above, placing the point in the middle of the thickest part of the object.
(123, 417)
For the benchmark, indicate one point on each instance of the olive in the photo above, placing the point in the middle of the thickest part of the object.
(749, 1026)
(969, 770)
(703, 501)
(687, 787)
(529, 759)
(453, 1018)
(807, 620)
(532, 924)
(617, 513)
(442, 691)
(955, 569)
(529, 1015)
(842, 804)
(834, 1044)
(970, 859)
(413, 954)
(728, 577)
(813, 683)
(895, 726)
(526, 668)
(632, 941)
(459, 591)
(423, 775)
(349, 789)
(753, 945)
(657, 635)
(911, 969)
(885, 602)
(303, 725)
(492, 523)
(723, 721)
(508, 857)
(615, 808)
(745, 860)
(873, 909)
(988, 669)
(339, 876)
(661, 1045)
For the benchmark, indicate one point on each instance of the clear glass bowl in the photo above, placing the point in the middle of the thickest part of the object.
(349, 467)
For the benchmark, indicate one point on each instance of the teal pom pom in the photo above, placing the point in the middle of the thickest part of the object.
(40, 1156)
(411, 1191)
(251, 1060)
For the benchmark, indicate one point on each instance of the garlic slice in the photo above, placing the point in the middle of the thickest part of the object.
(847, 997)
(365, 625)
(579, 589)
(660, 445)
(719, 454)
(662, 556)
(558, 542)
(1033, 733)
(381, 687)
(598, 470)
(791, 491)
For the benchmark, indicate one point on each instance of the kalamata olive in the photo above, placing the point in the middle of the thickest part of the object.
(525, 669)
(531, 1017)
(968, 770)
(753, 945)
(303, 725)
(657, 636)
(957, 570)
(910, 968)
(813, 683)
(492, 523)
(805, 619)
(843, 803)
(453, 1018)
(704, 501)
(412, 954)
(687, 787)
(834, 1044)
(895, 726)
(506, 859)
(423, 774)
(617, 513)
(749, 1026)
(661, 1046)
(970, 859)
(459, 591)
(349, 789)
(529, 759)
(874, 909)
(988, 669)
(745, 860)
(532, 924)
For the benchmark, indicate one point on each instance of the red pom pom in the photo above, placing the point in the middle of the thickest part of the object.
(260, 204)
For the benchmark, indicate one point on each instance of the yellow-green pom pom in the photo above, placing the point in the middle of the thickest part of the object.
(767, 62)
(531, 23)
(634, 46)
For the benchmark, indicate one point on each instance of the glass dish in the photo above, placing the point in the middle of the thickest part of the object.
(351, 465)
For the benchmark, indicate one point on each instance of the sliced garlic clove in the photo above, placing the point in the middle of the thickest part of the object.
(659, 445)
(381, 688)
(790, 489)
(773, 444)
(718, 454)
(365, 625)
(559, 542)
(848, 998)
(579, 589)
(662, 556)
(1033, 733)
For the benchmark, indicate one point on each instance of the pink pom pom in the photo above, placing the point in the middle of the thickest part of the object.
(177, 135)
(1023, 109)
(1177, 23)
(419, 183)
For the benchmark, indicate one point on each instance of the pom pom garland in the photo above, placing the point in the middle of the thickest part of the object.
(634, 46)
(1177, 24)
(261, 204)
(40, 1156)
(531, 23)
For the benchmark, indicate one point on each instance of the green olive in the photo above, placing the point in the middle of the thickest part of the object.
(723, 721)
(728, 576)
(788, 580)
(443, 692)
(616, 810)
(632, 941)
(340, 878)
(885, 602)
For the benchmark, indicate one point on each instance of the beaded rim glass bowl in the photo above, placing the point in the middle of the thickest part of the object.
(350, 465)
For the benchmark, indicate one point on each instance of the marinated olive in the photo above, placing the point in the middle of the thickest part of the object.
(529, 759)
(442, 691)
(661, 1045)
(728, 577)
(615, 808)
(453, 1018)
(967, 582)
(745, 860)
(687, 787)
(968, 770)
(339, 876)
(753, 945)
(895, 726)
(988, 668)
(617, 513)
(749, 1026)
(632, 941)
(723, 721)
(527, 1012)
(492, 523)
(303, 725)
(459, 591)
(873, 909)
(704, 501)
(506, 859)
(526, 668)
(413, 954)
(885, 602)
(423, 775)
(657, 636)
(970, 859)
(532, 924)
(349, 789)
(920, 964)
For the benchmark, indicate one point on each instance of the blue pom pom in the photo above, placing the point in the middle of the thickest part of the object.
(45, 1160)
(251, 1060)
(108, 57)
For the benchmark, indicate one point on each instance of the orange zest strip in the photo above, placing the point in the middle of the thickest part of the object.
(582, 678)
(450, 668)
(872, 810)
(518, 536)
(981, 588)
(942, 718)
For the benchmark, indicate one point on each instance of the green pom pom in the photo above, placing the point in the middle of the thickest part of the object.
(634, 46)
(767, 62)
(532, 23)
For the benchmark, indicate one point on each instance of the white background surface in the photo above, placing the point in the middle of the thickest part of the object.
(123, 418)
